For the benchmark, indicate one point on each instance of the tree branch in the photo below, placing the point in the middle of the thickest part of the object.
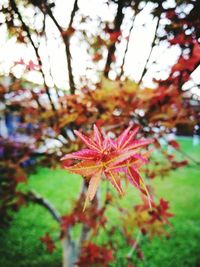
(66, 40)
(127, 44)
(26, 29)
(134, 246)
(117, 25)
(150, 52)
(196, 162)
(36, 198)
(69, 248)
(49, 60)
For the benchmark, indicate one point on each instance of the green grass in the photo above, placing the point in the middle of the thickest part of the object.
(20, 245)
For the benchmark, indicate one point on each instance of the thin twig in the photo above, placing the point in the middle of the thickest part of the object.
(185, 154)
(49, 60)
(150, 52)
(127, 44)
(111, 50)
(36, 198)
(189, 157)
(66, 40)
(134, 246)
(26, 29)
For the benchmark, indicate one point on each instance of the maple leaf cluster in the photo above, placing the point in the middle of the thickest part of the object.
(48, 242)
(157, 212)
(184, 32)
(93, 217)
(111, 158)
(94, 255)
(151, 221)
(29, 66)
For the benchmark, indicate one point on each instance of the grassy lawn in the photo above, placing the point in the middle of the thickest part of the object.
(20, 245)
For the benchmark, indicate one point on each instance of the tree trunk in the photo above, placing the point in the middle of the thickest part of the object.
(69, 251)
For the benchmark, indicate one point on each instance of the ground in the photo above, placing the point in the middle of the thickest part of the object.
(20, 245)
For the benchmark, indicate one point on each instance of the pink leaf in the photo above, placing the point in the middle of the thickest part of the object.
(139, 143)
(128, 137)
(119, 157)
(136, 180)
(85, 168)
(93, 184)
(122, 138)
(115, 180)
(86, 140)
(85, 154)
(98, 136)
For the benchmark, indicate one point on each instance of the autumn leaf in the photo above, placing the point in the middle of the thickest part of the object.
(48, 242)
(108, 158)
(174, 144)
(92, 254)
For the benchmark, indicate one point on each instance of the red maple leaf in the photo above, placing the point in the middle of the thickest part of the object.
(29, 66)
(114, 36)
(109, 158)
(160, 212)
(48, 242)
(174, 144)
(20, 62)
(92, 254)
(32, 66)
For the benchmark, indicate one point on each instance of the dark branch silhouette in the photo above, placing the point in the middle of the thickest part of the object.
(127, 44)
(117, 25)
(145, 69)
(66, 40)
(26, 29)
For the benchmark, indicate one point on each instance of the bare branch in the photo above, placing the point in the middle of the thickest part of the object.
(135, 245)
(150, 52)
(49, 60)
(127, 44)
(36, 198)
(182, 152)
(66, 40)
(117, 25)
(26, 29)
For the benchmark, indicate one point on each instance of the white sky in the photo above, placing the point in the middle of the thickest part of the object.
(53, 51)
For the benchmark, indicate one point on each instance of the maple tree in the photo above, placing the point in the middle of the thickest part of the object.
(105, 117)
